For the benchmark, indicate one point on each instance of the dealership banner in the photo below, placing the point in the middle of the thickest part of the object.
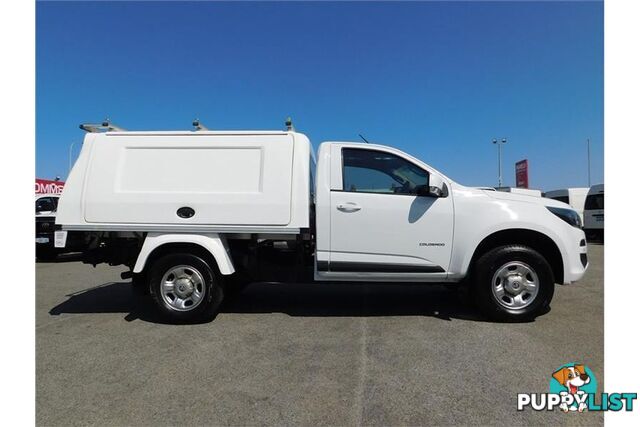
(46, 186)
(522, 174)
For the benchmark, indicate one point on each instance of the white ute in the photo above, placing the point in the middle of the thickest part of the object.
(196, 215)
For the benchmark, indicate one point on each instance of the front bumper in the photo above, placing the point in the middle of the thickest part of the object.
(577, 259)
(44, 240)
(45, 226)
(75, 241)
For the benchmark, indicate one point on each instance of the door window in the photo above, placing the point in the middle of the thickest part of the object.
(371, 171)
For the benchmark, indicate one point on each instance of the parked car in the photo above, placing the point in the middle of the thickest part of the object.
(46, 206)
(574, 197)
(195, 215)
(594, 213)
(46, 210)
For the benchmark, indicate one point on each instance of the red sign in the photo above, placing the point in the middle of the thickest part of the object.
(46, 186)
(522, 174)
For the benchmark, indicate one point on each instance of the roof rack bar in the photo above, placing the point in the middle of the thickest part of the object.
(105, 126)
(199, 126)
(289, 124)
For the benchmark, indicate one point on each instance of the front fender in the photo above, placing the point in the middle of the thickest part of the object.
(211, 242)
(462, 262)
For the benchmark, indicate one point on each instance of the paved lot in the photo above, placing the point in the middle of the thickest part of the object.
(302, 355)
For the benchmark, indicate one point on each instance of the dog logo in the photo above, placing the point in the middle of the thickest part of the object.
(573, 378)
(573, 388)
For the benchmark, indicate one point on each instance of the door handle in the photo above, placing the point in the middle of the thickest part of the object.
(348, 207)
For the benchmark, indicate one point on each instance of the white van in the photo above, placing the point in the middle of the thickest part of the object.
(195, 215)
(594, 212)
(574, 197)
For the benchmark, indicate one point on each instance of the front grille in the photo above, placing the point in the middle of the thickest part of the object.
(583, 259)
(45, 225)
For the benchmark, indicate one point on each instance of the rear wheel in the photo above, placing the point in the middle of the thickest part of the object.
(186, 288)
(513, 283)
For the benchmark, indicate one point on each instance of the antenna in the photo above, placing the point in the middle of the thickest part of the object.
(363, 138)
(199, 126)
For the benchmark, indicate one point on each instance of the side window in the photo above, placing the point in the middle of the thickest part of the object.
(370, 171)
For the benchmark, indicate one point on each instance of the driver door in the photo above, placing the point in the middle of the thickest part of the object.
(380, 228)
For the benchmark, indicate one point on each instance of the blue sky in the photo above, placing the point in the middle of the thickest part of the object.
(437, 80)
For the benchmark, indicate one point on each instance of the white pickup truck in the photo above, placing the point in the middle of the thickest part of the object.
(195, 215)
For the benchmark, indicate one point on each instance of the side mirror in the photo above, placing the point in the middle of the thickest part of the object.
(423, 190)
(435, 187)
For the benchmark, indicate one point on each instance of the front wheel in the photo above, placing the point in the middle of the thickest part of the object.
(186, 288)
(513, 283)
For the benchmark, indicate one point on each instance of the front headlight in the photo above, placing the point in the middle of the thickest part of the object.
(569, 216)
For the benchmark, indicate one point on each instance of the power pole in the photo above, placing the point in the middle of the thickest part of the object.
(499, 144)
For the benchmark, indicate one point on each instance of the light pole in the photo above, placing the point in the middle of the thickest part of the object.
(589, 161)
(499, 144)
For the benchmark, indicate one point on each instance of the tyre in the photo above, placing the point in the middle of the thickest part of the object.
(513, 283)
(186, 288)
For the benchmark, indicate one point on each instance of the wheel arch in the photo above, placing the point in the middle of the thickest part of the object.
(212, 248)
(531, 238)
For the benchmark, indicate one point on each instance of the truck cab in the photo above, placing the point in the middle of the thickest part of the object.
(385, 215)
(260, 206)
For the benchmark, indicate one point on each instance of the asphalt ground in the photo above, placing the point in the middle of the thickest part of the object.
(303, 354)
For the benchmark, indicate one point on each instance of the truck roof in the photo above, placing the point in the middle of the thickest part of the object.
(199, 132)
